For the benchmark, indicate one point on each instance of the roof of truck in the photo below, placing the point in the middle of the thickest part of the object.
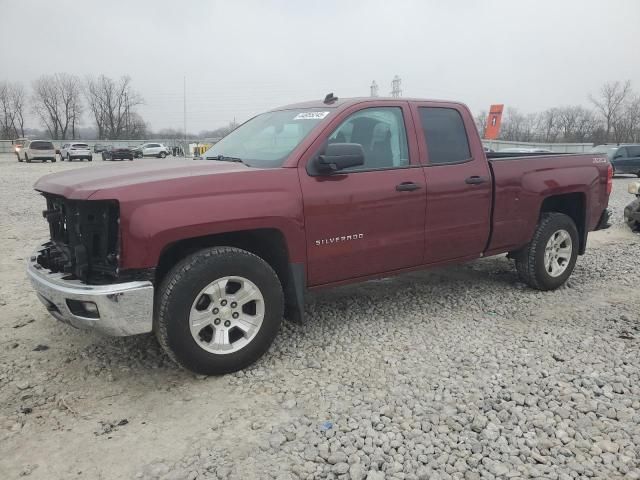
(345, 102)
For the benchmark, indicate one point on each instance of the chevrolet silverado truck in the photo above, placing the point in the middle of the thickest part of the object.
(210, 255)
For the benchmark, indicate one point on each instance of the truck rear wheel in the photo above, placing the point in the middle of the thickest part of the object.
(218, 310)
(548, 260)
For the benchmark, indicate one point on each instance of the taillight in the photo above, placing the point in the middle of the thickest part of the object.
(609, 179)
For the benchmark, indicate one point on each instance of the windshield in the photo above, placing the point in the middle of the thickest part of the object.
(266, 140)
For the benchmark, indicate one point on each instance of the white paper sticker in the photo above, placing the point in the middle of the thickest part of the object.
(311, 116)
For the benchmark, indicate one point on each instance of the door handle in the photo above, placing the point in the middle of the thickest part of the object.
(475, 180)
(407, 187)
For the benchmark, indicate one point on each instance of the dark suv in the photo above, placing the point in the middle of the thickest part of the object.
(626, 159)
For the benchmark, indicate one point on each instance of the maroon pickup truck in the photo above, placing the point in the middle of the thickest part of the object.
(211, 254)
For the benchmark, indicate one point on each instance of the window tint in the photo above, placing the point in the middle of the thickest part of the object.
(41, 146)
(633, 151)
(80, 145)
(621, 152)
(445, 135)
(381, 133)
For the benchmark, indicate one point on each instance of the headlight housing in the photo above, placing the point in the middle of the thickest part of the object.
(634, 188)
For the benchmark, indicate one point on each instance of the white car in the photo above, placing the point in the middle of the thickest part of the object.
(154, 150)
(42, 150)
(71, 151)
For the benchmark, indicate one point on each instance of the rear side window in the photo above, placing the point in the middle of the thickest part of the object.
(445, 135)
(41, 146)
(633, 151)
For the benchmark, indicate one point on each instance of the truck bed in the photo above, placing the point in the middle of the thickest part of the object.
(522, 181)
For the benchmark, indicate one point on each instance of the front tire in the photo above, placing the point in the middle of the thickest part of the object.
(162, 155)
(26, 158)
(218, 310)
(68, 158)
(548, 260)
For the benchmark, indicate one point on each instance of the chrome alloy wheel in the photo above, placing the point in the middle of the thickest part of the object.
(226, 315)
(557, 253)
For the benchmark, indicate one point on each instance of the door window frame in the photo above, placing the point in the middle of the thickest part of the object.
(320, 142)
(422, 140)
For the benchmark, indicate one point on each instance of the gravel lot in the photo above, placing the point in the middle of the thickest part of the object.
(459, 373)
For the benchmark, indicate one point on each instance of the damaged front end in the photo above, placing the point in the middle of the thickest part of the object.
(84, 241)
(632, 211)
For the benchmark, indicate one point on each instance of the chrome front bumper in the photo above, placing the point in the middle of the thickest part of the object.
(117, 309)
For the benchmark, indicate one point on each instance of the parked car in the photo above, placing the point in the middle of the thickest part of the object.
(210, 255)
(42, 150)
(18, 144)
(75, 150)
(154, 150)
(117, 153)
(632, 211)
(99, 148)
(626, 159)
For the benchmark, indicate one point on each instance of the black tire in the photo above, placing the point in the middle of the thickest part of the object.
(26, 158)
(68, 158)
(530, 260)
(19, 159)
(90, 159)
(163, 155)
(179, 290)
(53, 160)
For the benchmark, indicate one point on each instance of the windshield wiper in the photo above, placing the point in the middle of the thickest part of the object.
(222, 158)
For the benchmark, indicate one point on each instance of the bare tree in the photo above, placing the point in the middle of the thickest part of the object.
(57, 102)
(481, 122)
(626, 125)
(609, 102)
(548, 125)
(12, 106)
(112, 104)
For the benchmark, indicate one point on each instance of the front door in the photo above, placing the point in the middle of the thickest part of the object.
(459, 186)
(368, 219)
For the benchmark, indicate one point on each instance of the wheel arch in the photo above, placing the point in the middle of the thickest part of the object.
(574, 205)
(267, 243)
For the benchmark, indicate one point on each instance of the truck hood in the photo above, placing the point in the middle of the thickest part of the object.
(82, 183)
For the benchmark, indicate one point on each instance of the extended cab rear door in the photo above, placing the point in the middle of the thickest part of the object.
(368, 219)
(459, 186)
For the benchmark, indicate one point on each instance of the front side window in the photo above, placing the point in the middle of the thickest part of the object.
(267, 140)
(445, 135)
(381, 132)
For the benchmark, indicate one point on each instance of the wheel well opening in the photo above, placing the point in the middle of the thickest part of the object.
(268, 244)
(572, 205)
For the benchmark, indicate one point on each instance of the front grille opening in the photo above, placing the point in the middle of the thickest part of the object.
(84, 238)
(83, 309)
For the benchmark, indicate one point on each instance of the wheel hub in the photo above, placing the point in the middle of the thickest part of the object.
(557, 253)
(226, 315)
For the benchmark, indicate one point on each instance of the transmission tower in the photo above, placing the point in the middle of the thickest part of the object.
(396, 91)
(374, 89)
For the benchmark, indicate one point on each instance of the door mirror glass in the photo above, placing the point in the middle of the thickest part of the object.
(338, 156)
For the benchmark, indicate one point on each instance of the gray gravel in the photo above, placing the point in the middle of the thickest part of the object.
(458, 373)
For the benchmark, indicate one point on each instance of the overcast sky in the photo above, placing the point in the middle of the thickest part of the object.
(243, 57)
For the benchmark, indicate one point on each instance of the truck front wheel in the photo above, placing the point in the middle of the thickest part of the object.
(218, 310)
(548, 260)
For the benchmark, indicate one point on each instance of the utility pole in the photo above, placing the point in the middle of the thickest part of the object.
(396, 91)
(186, 146)
(374, 89)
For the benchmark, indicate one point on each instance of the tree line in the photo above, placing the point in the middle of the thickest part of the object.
(613, 116)
(59, 100)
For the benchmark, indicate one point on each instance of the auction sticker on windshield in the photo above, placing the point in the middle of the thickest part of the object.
(311, 116)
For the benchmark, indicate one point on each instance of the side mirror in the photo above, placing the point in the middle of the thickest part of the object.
(336, 157)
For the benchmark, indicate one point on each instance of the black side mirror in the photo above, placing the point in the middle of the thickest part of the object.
(336, 157)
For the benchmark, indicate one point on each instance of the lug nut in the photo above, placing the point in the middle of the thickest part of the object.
(215, 311)
(234, 304)
(223, 302)
(227, 323)
(216, 321)
(235, 315)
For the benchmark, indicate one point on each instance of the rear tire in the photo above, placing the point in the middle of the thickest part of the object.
(183, 289)
(548, 260)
